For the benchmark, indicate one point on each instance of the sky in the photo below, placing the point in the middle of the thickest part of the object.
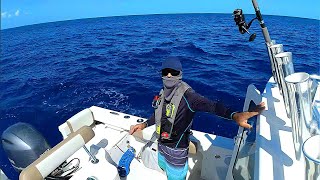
(15, 13)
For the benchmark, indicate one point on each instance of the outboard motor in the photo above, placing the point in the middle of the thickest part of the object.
(23, 145)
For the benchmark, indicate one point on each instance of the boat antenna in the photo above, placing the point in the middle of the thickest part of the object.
(244, 27)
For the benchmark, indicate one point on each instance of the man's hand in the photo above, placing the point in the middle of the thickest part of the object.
(137, 127)
(242, 118)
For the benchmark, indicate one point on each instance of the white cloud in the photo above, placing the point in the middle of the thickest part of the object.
(9, 15)
(4, 14)
(17, 13)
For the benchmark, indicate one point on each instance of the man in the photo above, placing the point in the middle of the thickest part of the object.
(174, 110)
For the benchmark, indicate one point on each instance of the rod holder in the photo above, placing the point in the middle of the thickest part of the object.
(273, 51)
(311, 152)
(298, 85)
(285, 67)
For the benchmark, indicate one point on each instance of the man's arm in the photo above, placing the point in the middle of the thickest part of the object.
(242, 117)
(151, 121)
(137, 127)
(200, 103)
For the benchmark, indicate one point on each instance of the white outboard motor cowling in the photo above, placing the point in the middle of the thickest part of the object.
(23, 145)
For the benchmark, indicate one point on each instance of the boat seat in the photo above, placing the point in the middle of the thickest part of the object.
(193, 147)
(82, 118)
(51, 159)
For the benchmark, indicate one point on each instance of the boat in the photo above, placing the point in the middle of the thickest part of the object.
(96, 140)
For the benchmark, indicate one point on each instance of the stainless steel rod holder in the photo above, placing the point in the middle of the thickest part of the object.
(284, 66)
(273, 51)
(298, 85)
(311, 152)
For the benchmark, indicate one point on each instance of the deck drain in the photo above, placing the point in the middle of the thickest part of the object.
(140, 120)
(114, 113)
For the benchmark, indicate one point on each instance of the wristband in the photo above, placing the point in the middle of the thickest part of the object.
(146, 123)
(231, 116)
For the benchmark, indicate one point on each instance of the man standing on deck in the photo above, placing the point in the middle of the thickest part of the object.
(174, 110)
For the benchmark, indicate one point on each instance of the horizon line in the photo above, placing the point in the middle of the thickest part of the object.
(146, 15)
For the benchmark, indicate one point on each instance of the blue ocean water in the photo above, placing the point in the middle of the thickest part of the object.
(51, 71)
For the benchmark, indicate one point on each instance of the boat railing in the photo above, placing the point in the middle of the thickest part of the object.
(301, 103)
(300, 92)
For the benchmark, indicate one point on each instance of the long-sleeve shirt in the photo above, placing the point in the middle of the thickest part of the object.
(190, 103)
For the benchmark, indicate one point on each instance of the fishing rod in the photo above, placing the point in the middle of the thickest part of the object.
(273, 49)
(244, 27)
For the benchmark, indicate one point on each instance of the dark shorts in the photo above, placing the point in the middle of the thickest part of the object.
(174, 161)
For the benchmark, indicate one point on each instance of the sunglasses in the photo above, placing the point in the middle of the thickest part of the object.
(173, 72)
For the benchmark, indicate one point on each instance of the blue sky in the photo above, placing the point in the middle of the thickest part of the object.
(16, 13)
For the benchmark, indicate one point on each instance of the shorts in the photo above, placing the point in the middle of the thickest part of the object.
(174, 161)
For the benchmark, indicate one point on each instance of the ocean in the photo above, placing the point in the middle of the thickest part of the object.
(51, 71)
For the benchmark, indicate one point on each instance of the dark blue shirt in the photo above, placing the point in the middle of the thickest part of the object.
(190, 103)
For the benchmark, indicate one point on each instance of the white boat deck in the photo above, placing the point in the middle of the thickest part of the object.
(275, 156)
(112, 139)
(2, 175)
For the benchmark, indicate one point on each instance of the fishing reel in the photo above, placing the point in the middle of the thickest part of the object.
(241, 23)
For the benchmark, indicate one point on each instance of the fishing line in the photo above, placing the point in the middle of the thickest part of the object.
(238, 3)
